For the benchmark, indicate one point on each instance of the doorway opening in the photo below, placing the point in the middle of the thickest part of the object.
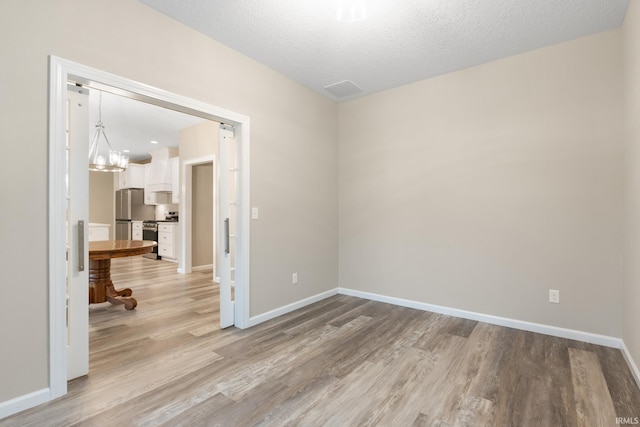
(62, 72)
(198, 176)
(202, 248)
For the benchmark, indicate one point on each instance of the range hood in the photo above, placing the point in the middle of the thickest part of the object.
(158, 179)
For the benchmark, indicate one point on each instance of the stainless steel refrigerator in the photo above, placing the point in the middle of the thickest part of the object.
(130, 207)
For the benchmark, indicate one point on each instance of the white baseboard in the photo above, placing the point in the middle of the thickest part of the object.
(291, 307)
(21, 403)
(494, 320)
(30, 400)
(631, 363)
(202, 268)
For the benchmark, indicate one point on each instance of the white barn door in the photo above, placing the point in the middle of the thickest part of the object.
(227, 220)
(77, 191)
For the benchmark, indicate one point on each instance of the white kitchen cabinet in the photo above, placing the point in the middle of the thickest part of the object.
(151, 198)
(156, 193)
(136, 230)
(175, 180)
(168, 240)
(159, 171)
(132, 177)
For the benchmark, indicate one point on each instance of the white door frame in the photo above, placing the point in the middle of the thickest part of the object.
(61, 71)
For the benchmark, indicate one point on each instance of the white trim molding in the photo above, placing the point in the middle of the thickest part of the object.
(26, 401)
(57, 232)
(631, 363)
(291, 307)
(494, 320)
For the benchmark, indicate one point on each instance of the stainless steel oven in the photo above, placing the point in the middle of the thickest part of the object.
(150, 232)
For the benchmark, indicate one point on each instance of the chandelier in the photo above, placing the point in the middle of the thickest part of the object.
(102, 157)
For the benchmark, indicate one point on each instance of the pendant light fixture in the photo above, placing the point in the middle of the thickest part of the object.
(102, 157)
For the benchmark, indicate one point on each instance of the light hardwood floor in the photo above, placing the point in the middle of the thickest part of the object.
(341, 362)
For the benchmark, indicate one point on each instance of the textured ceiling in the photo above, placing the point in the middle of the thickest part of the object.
(400, 41)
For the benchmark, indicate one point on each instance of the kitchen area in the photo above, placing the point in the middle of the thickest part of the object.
(139, 203)
(143, 202)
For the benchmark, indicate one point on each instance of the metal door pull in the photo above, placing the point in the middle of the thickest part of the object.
(80, 245)
(226, 232)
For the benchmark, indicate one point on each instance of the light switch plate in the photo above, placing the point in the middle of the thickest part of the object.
(254, 213)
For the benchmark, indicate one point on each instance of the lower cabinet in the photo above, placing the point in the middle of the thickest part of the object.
(136, 230)
(168, 240)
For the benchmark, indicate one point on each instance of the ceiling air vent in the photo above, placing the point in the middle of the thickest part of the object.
(343, 89)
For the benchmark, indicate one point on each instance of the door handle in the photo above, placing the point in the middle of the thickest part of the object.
(81, 245)
(226, 236)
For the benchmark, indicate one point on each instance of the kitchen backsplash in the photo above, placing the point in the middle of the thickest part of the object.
(162, 210)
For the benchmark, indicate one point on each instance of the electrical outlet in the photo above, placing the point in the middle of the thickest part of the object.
(554, 296)
(294, 278)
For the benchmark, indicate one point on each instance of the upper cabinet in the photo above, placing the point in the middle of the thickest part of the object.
(159, 171)
(158, 178)
(157, 198)
(132, 177)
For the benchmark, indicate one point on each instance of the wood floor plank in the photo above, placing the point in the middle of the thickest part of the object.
(341, 361)
(624, 391)
(207, 413)
(294, 409)
(593, 401)
(533, 387)
(474, 411)
(457, 374)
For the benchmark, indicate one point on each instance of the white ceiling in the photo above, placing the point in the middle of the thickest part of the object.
(132, 125)
(400, 41)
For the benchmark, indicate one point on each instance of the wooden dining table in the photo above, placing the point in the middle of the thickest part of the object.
(101, 287)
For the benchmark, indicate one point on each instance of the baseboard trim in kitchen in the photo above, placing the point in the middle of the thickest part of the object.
(494, 320)
(20, 403)
(202, 268)
(291, 307)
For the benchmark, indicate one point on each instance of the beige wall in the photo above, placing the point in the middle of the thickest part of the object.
(202, 215)
(631, 295)
(198, 141)
(293, 140)
(482, 189)
(101, 199)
